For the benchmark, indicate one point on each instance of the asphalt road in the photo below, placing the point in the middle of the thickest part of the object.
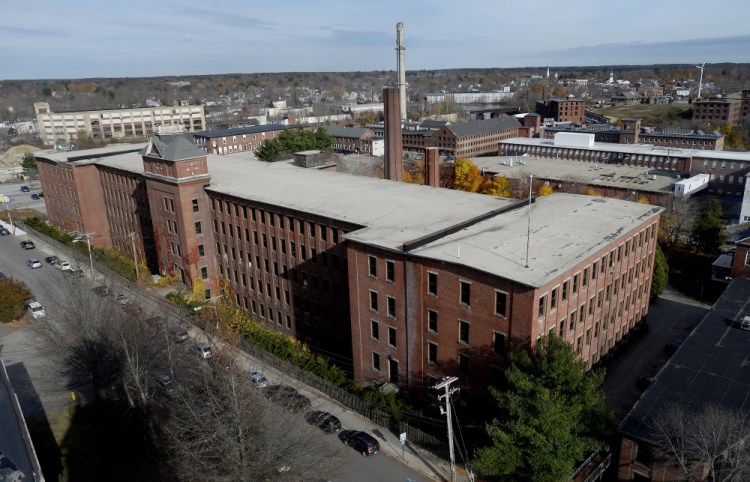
(42, 392)
(19, 200)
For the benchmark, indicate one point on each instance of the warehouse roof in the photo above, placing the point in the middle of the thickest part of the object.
(710, 367)
(565, 228)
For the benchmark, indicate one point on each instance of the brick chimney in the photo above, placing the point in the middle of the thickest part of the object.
(394, 155)
(432, 167)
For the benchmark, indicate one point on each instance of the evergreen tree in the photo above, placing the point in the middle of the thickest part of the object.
(708, 230)
(548, 414)
(661, 273)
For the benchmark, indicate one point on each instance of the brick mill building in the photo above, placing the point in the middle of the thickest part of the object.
(566, 109)
(400, 282)
(465, 139)
(239, 139)
(723, 110)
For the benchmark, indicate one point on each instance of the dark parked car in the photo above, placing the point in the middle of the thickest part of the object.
(287, 397)
(101, 291)
(35, 196)
(4, 231)
(51, 260)
(671, 347)
(324, 421)
(27, 244)
(25, 189)
(181, 336)
(362, 442)
(74, 272)
(41, 194)
(645, 382)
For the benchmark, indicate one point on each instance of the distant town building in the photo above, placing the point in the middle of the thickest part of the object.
(727, 169)
(495, 96)
(107, 124)
(723, 110)
(562, 109)
(239, 139)
(351, 140)
(631, 132)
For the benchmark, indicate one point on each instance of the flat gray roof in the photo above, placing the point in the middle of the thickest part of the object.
(645, 149)
(565, 227)
(566, 170)
(16, 449)
(710, 367)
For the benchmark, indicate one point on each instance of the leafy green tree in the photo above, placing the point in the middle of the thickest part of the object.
(467, 176)
(548, 414)
(661, 273)
(28, 163)
(294, 140)
(270, 151)
(708, 230)
(13, 297)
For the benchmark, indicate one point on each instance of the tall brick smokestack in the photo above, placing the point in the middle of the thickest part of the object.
(394, 152)
(432, 167)
(401, 66)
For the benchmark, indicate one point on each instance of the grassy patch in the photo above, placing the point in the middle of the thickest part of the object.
(652, 114)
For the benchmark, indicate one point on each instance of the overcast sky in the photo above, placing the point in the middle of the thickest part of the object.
(79, 39)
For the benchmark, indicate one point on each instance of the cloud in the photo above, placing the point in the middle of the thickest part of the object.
(19, 31)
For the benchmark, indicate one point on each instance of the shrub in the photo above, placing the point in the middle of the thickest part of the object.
(13, 297)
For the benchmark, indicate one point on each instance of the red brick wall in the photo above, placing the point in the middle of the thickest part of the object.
(520, 326)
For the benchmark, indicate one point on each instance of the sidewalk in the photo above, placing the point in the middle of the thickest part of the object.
(432, 467)
(419, 460)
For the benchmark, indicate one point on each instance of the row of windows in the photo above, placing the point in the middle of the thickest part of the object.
(501, 297)
(259, 216)
(602, 266)
(740, 165)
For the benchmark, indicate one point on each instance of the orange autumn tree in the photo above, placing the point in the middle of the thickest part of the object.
(545, 190)
(499, 186)
(468, 178)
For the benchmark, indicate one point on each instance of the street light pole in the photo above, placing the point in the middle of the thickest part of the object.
(135, 257)
(212, 305)
(91, 259)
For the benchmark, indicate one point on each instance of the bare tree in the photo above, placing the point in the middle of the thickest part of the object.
(220, 428)
(710, 440)
(212, 421)
(675, 219)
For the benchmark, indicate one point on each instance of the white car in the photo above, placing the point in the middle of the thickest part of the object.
(257, 379)
(203, 351)
(33, 263)
(745, 323)
(37, 310)
(63, 266)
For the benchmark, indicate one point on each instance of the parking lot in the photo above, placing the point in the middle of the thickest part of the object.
(671, 318)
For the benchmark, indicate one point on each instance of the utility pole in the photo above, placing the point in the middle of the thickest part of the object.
(135, 257)
(446, 383)
(91, 260)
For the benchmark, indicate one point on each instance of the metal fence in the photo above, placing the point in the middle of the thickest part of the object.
(372, 411)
